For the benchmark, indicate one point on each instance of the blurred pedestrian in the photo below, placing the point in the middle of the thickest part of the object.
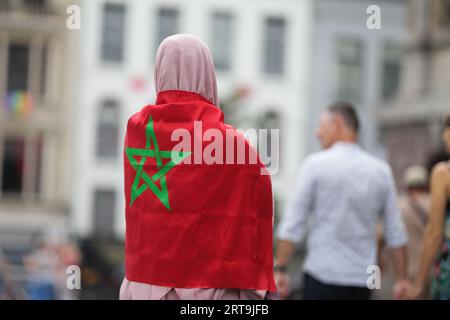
(68, 255)
(197, 231)
(41, 265)
(436, 241)
(9, 289)
(345, 191)
(414, 206)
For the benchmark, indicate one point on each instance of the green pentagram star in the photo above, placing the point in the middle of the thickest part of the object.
(149, 182)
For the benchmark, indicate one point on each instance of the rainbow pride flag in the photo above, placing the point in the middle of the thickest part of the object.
(18, 104)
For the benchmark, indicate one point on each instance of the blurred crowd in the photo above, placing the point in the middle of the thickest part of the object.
(39, 274)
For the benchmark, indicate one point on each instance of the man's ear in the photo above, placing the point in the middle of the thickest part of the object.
(338, 121)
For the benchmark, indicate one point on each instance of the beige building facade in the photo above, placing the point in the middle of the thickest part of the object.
(35, 142)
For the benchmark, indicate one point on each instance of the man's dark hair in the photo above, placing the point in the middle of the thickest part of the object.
(347, 111)
(447, 121)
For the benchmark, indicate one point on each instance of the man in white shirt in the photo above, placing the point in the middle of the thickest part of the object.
(343, 192)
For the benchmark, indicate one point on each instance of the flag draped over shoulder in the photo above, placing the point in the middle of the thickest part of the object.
(189, 224)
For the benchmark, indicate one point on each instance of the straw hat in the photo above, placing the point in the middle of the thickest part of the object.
(415, 176)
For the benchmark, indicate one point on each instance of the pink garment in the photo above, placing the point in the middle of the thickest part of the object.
(131, 290)
(184, 62)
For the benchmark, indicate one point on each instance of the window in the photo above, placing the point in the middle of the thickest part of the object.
(222, 40)
(274, 45)
(18, 67)
(108, 130)
(447, 11)
(21, 165)
(113, 32)
(444, 12)
(167, 24)
(13, 166)
(37, 146)
(104, 212)
(42, 87)
(270, 120)
(391, 70)
(349, 69)
(34, 5)
(5, 5)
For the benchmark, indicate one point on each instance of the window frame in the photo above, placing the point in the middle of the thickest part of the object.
(267, 44)
(105, 47)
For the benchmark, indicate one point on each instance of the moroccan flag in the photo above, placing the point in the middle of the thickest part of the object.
(191, 223)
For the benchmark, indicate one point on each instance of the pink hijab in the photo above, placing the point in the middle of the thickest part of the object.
(184, 62)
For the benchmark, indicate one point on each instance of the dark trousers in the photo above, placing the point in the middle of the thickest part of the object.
(315, 290)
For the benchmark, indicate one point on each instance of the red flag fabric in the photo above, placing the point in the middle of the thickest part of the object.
(191, 224)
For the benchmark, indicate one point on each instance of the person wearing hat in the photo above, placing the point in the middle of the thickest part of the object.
(414, 206)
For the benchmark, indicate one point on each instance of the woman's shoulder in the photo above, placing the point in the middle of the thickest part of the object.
(441, 171)
(443, 166)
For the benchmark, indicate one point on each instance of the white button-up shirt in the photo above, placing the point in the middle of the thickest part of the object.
(345, 192)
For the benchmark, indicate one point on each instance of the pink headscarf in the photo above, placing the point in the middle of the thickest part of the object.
(184, 62)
